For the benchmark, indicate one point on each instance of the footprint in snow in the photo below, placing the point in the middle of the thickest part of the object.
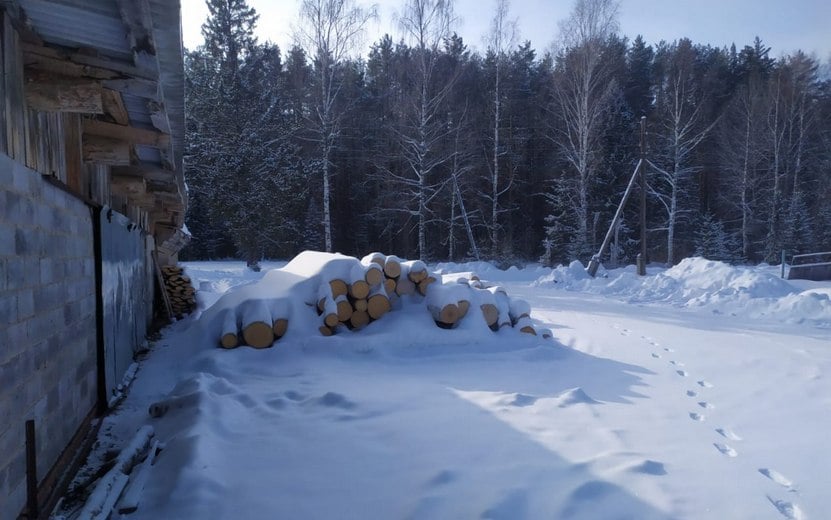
(676, 363)
(705, 405)
(725, 449)
(692, 393)
(789, 510)
(682, 373)
(704, 384)
(656, 356)
(696, 416)
(777, 477)
(728, 434)
(667, 349)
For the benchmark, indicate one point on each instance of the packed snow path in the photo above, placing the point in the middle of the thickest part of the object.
(635, 411)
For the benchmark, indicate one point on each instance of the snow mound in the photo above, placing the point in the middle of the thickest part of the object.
(700, 283)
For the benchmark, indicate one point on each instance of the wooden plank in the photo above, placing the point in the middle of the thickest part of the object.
(150, 173)
(114, 106)
(142, 88)
(16, 120)
(73, 152)
(92, 66)
(104, 150)
(129, 134)
(127, 186)
(50, 92)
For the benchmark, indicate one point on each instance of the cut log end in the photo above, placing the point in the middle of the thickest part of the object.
(326, 331)
(389, 285)
(417, 276)
(360, 305)
(331, 320)
(424, 284)
(463, 306)
(392, 268)
(374, 277)
(339, 288)
(258, 335)
(447, 315)
(344, 311)
(359, 319)
(280, 327)
(229, 340)
(359, 289)
(490, 313)
(528, 329)
(377, 306)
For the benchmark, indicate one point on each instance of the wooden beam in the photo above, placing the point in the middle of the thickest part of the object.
(130, 134)
(149, 173)
(103, 150)
(143, 88)
(54, 93)
(114, 106)
(91, 66)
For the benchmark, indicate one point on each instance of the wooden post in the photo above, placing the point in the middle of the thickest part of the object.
(642, 262)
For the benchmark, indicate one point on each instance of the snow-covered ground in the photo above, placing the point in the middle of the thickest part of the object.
(700, 391)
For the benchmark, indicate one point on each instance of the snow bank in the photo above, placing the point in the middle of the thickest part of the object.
(701, 283)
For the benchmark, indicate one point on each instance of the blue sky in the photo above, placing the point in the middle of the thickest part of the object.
(783, 25)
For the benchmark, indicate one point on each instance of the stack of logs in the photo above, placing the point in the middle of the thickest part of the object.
(366, 290)
(370, 291)
(179, 290)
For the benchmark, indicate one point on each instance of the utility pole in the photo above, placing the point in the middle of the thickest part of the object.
(642, 256)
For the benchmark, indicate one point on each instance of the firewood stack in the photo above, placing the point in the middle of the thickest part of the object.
(348, 294)
(180, 291)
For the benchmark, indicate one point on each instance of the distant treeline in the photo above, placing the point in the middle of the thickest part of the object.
(429, 150)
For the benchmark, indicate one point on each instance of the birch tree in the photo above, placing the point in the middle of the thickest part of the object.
(330, 30)
(426, 24)
(583, 93)
(682, 128)
(500, 39)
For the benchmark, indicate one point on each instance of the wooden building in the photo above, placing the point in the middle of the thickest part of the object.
(92, 195)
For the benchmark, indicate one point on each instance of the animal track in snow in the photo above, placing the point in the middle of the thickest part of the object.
(667, 349)
(728, 434)
(725, 449)
(789, 510)
(682, 373)
(777, 477)
(676, 363)
(656, 356)
(704, 384)
(692, 393)
(696, 416)
(705, 405)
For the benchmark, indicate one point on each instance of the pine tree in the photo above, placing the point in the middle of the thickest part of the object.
(712, 241)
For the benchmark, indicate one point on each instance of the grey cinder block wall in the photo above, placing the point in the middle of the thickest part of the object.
(47, 323)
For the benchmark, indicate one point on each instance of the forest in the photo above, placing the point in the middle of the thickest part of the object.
(428, 149)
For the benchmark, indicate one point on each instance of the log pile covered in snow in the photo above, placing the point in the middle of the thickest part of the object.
(331, 293)
(179, 290)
